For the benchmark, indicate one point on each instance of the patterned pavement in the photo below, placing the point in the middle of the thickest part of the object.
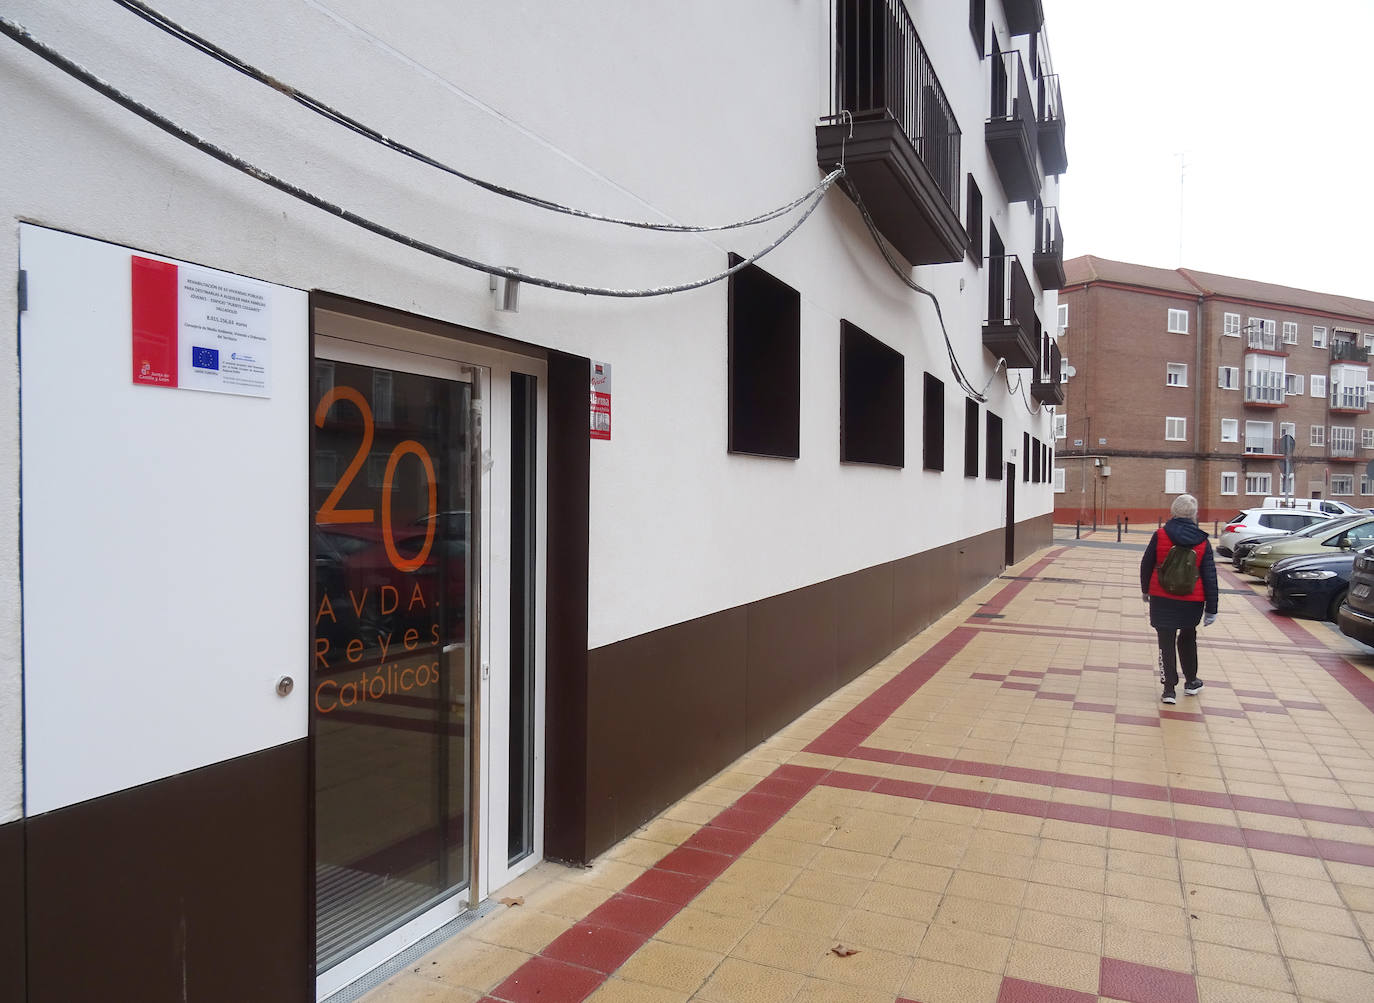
(1001, 811)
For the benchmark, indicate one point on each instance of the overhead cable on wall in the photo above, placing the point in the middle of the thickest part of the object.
(21, 35)
(196, 41)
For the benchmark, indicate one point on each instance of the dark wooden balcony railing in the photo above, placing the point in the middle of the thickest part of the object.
(1048, 386)
(1010, 331)
(1011, 128)
(1050, 134)
(893, 126)
(1049, 247)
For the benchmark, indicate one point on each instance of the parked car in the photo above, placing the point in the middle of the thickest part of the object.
(1356, 615)
(1314, 585)
(1328, 505)
(1254, 522)
(1247, 545)
(1351, 535)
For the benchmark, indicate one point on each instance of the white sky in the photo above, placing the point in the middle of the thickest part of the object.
(1272, 104)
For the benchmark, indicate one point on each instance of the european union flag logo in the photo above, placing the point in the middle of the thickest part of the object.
(205, 358)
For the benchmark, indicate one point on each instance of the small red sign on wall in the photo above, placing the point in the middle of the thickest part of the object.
(601, 400)
(154, 287)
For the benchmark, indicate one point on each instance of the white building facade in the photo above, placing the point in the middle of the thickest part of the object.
(333, 603)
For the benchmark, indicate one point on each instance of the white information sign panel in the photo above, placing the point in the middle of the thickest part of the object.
(225, 324)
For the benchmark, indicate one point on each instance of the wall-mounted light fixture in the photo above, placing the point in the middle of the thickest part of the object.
(506, 292)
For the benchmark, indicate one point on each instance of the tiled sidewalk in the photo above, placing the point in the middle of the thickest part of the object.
(1001, 810)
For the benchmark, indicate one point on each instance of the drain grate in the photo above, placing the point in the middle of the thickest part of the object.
(359, 988)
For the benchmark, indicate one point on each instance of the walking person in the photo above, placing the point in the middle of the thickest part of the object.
(1178, 578)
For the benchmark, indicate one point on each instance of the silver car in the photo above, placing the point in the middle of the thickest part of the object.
(1256, 522)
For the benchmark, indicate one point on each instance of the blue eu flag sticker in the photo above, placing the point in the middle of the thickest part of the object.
(205, 358)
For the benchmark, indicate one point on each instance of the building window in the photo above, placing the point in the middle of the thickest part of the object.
(933, 424)
(764, 330)
(1292, 383)
(1318, 385)
(1290, 332)
(1342, 484)
(1230, 325)
(1059, 480)
(1228, 377)
(993, 451)
(1063, 317)
(1342, 440)
(1178, 321)
(1230, 430)
(872, 399)
(1176, 429)
(1176, 374)
(1288, 428)
(977, 21)
(1258, 484)
(1318, 437)
(1175, 482)
(1318, 337)
(1366, 485)
(1228, 482)
(1061, 426)
(1348, 386)
(1025, 457)
(971, 418)
(973, 221)
(1367, 438)
(1259, 437)
(1264, 379)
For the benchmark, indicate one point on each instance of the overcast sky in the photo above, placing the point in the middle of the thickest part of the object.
(1272, 105)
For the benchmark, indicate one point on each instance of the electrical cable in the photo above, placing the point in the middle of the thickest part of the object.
(21, 35)
(189, 37)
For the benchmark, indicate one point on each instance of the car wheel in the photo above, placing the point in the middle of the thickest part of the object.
(1336, 604)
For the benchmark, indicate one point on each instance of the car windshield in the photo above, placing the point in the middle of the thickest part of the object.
(1318, 528)
(1357, 530)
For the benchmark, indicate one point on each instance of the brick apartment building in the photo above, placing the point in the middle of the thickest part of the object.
(1187, 381)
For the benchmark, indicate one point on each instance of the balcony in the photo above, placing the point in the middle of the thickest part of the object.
(893, 127)
(1024, 16)
(1349, 399)
(1011, 128)
(1348, 351)
(1048, 386)
(1263, 394)
(1049, 247)
(1342, 452)
(1260, 446)
(1054, 153)
(1264, 341)
(1011, 331)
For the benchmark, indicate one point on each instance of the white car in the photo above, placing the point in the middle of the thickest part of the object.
(1254, 522)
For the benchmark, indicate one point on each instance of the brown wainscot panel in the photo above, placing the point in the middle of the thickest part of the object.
(193, 887)
(793, 656)
(666, 710)
(12, 911)
(864, 629)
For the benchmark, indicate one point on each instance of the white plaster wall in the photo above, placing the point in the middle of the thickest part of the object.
(694, 112)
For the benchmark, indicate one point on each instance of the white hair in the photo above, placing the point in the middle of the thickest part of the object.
(1184, 507)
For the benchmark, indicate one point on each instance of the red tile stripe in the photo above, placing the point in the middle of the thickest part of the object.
(1124, 980)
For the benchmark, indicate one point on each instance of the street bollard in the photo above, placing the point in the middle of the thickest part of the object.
(1128, 523)
(1077, 527)
(1118, 529)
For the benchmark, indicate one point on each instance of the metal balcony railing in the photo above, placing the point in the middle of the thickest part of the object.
(1011, 94)
(1263, 392)
(1255, 444)
(1049, 103)
(1267, 341)
(1049, 236)
(881, 69)
(1349, 398)
(1011, 301)
(1348, 351)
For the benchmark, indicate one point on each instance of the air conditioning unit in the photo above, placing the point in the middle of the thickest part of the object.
(1106, 471)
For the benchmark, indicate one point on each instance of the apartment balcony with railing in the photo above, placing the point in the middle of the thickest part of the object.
(1349, 398)
(893, 126)
(1024, 16)
(1262, 391)
(1260, 445)
(1048, 385)
(1341, 444)
(1012, 330)
(1264, 341)
(1011, 129)
(1049, 247)
(1054, 152)
(1348, 351)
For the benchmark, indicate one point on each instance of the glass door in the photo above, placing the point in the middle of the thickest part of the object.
(396, 484)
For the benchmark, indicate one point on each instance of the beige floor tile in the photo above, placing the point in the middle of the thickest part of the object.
(1325, 948)
(1215, 853)
(616, 990)
(737, 981)
(1150, 917)
(1147, 865)
(1307, 916)
(1316, 890)
(1324, 982)
(1002, 864)
(1133, 886)
(1066, 932)
(1217, 991)
(410, 988)
(807, 915)
(566, 898)
(1064, 902)
(643, 852)
(1073, 832)
(925, 850)
(1252, 968)
(801, 830)
(1357, 897)
(870, 969)
(849, 863)
(1157, 949)
(726, 898)
(1062, 875)
(790, 852)
(976, 914)
(761, 875)
(1052, 966)
(1240, 879)
(1072, 853)
(695, 927)
(472, 964)
(521, 929)
(1351, 874)
(670, 966)
(881, 932)
(791, 950)
(910, 874)
(904, 903)
(1224, 902)
(935, 982)
(1287, 863)
(822, 886)
(1234, 931)
(970, 948)
(823, 991)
